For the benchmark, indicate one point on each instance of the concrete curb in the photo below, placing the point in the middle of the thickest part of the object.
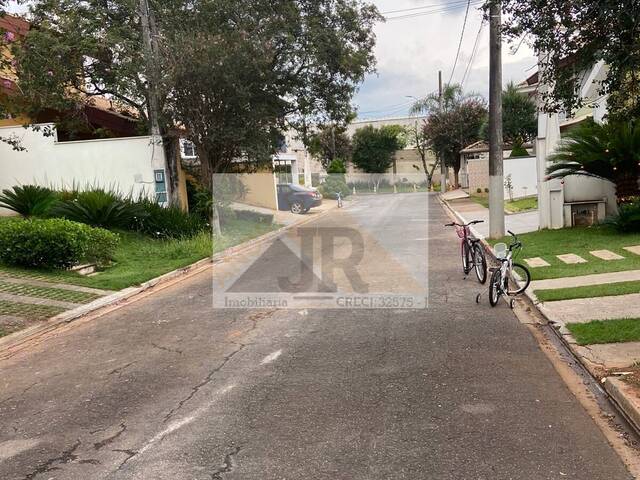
(620, 394)
(624, 398)
(12, 342)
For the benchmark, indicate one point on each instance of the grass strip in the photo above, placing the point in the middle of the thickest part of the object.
(60, 294)
(28, 310)
(588, 291)
(606, 331)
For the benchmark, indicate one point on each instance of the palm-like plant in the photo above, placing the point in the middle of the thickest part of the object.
(610, 151)
(452, 96)
(100, 208)
(28, 200)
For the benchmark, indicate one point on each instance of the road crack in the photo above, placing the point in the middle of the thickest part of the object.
(227, 466)
(111, 439)
(167, 349)
(48, 466)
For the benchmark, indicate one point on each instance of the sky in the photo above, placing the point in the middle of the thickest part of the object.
(410, 52)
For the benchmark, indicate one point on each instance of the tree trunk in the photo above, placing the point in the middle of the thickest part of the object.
(172, 154)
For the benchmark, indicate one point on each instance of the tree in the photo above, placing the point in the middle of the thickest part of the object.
(374, 148)
(573, 36)
(234, 73)
(330, 142)
(452, 126)
(519, 120)
(416, 136)
(610, 151)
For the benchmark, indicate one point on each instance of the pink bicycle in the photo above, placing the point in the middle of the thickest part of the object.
(471, 251)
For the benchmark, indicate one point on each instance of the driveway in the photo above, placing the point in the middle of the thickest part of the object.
(170, 388)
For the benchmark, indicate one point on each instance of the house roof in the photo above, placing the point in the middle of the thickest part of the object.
(14, 24)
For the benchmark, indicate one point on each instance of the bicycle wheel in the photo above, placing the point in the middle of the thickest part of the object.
(466, 257)
(523, 277)
(480, 263)
(494, 287)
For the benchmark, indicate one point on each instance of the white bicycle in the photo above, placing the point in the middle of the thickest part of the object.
(509, 278)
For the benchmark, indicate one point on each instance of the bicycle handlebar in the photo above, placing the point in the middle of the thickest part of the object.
(454, 224)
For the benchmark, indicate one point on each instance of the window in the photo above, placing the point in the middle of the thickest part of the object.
(188, 148)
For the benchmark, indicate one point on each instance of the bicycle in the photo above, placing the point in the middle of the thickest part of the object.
(509, 279)
(471, 251)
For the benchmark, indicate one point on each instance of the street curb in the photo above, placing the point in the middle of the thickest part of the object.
(618, 393)
(13, 341)
(624, 399)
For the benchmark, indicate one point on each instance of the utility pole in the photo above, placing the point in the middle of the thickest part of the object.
(158, 160)
(443, 167)
(496, 181)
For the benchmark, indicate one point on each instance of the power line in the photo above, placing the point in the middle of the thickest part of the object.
(439, 5)
(464, 25)
(474, 52)
(434, 11)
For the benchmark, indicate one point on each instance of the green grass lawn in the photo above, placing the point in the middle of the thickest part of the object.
(579, 240)
(140, 258)
(515, 206)
(606, 331)
(588, 291)
(521, 204)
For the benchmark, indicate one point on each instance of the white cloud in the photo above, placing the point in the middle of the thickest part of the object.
(411, 51)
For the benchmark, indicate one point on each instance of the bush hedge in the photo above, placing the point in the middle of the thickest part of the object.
(167, 222)
(628, 218)
(53, 243)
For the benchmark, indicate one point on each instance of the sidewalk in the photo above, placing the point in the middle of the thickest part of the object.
(518, 222)
(616, 365)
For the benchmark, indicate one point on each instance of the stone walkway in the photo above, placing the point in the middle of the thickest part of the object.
(595, 279)
(24, 300)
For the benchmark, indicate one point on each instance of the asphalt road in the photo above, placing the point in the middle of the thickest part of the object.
(169, 388)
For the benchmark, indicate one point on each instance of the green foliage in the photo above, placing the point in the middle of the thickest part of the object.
(28, 200)
(373, 148)
(519, 151)
(478, 190)
(53, 243)
(628, 218)
(248, 216)
(336, 166)
(572, 36)
(610, 151)
(99, 208)
(167, 222)
(334, 184)
(101, 246)
(454, 126)
(331, 142)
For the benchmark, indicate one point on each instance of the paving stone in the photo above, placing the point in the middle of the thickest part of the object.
(606, 255)
(571, 258)
(536, 262)
(593, 279)
(634, 249)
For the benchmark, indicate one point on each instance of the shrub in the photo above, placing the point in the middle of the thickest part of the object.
(99, 208)
(334, 184)
(628, 218)
(336, 166)
(169, 222)
(486, 190)
(102, 246)
(478, 190)
(255, 217)
(28, 200)
(53, 243)
(518, 151)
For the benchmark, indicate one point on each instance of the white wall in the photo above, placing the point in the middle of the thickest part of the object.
(523, 176)
(124, 164)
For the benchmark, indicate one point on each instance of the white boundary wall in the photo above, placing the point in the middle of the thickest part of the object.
(123, 164)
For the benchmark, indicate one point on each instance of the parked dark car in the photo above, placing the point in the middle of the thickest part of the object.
(297, 198)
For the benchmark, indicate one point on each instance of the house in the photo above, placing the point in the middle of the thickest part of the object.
(577, 199)
(474, 170)
(109, 152)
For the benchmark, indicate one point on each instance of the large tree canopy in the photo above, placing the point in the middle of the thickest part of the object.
(231, 72)
(373, 148)
(572, 35)
(452, 124)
